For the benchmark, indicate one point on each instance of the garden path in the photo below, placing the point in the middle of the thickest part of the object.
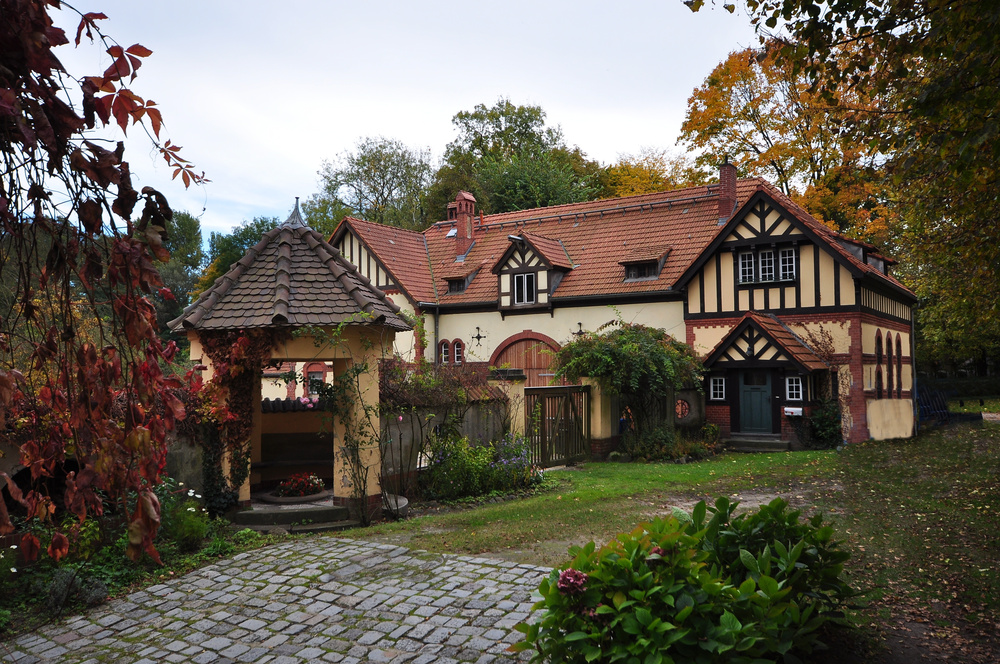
(315, 600)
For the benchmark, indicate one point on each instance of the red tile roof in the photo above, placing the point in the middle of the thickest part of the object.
(592, 240)
(291, 278)
(780, 334)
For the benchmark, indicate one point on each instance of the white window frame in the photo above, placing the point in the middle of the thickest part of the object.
(746, 267)
(443, 352)
(313, 377)
(787, 264)
(794, 388)
(766, 260)
(459, 348)
(717, 389)
(525, 288)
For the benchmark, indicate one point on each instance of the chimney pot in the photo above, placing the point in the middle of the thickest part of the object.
(727, 191)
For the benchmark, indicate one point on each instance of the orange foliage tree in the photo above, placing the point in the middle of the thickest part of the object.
(83, 395)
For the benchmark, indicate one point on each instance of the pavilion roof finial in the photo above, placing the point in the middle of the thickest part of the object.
(295, 219)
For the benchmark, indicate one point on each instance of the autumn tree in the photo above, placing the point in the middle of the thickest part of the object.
(92, 403)
(934, 67)
(382, 180)
(649, 171)
(509, 159)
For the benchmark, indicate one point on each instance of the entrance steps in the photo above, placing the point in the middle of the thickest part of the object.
(745, 442)
(296, 519)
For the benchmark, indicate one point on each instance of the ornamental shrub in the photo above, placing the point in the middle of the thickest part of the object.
(187, 524)
(672, 591)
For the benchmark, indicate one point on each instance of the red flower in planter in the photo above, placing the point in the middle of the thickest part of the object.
(300, 484)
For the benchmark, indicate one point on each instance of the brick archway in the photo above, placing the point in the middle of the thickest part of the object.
(526, 351)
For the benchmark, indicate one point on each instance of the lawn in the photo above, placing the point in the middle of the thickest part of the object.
(919, 517)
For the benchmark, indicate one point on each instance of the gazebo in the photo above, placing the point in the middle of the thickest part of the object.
(316, 307)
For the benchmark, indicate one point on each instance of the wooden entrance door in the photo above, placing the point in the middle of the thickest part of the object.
(755, 401)
(531, 356)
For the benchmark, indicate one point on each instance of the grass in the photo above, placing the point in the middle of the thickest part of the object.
(597, 501)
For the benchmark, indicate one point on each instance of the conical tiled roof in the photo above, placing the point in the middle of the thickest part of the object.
(291, 278)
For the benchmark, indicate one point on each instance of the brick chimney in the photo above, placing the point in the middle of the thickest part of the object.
(462, 212)
(727, 191)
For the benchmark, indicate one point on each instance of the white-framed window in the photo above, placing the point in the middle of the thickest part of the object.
(314, 379)
(524, 288)
(787, 263)
(793, 388)
(766, 260)
(746, 267)
(717, 388)
(459, 352)
(443, 349)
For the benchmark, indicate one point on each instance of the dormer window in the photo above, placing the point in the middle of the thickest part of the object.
(644, 270)
(457, 285)
(524, 288)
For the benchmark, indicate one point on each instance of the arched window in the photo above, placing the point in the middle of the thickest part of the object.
(878, 364)
(899, 368)
(888, 365)
(443, 349)
(459, 348)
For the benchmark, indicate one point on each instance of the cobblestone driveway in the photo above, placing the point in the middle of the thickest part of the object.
(321, 600)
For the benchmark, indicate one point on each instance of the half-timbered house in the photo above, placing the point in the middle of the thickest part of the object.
(783, 309)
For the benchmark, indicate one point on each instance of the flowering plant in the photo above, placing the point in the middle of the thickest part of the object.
(300, 484)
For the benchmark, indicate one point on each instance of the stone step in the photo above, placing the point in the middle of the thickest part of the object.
(324, 527)
(288, 516)
(757, 444)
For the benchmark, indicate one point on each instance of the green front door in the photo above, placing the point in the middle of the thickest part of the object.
(755, 401)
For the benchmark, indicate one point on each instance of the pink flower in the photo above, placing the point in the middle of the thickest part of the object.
(572, 582)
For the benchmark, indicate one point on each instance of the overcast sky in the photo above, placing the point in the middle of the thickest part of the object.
(260, 93)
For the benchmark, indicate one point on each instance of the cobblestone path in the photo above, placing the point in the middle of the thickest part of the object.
(321, 600)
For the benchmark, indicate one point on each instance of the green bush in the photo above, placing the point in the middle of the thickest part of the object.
(825, 431)
(186, 524)
(675, 591)
(655, 444)
(459, 469)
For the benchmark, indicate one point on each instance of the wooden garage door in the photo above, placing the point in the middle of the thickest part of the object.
(530, 356)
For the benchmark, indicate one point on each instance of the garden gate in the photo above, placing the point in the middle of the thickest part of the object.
(558, 423)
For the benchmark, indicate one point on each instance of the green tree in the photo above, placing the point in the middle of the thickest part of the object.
(509, 159)
(181, 273)
(383, 180)
(224, 249)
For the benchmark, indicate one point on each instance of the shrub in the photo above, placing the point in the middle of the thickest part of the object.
(300, 484)
(825, 431)
(186, 524)
(655, 444)
(459, 469)
(674, 590)
(510, 469)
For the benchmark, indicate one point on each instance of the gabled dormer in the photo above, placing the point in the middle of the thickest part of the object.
(529, 271)
(644, 264)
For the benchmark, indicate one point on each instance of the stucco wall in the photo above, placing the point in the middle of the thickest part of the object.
(560, 324)
(890, 418)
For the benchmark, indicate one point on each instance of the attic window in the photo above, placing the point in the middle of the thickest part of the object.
(643, 270)
(457, 285)
(452, 233)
